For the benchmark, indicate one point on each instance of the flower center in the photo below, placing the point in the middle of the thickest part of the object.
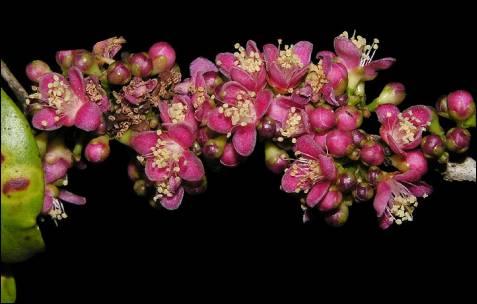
(164, 188)
(366, 49)
(58, 94)
(177, 112)
(92, 91)
(243, 112)
(403, 205)
(287, 58)
(249, 62)
(200, 97)
(166, 154)
(407, 130)
(308, 171)
(57, 211)
(316, 77)
(292, 125)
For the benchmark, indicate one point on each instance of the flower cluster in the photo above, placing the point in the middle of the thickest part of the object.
(307, 108)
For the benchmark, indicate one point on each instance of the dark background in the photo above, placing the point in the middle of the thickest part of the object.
(244, 233)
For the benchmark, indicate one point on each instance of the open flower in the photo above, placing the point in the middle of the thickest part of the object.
(312, 172)
(239, 115)
(246, 66)
(333, 78)
(64, 103)
(291, 118)
(179, 110)
(287, 67)
(138, 90)
(403, 131)
(168, 161)
(358, 57)
(53, 202)
(396, 202)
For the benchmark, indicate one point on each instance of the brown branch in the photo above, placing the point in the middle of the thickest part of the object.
(464, 171)
(20, 92)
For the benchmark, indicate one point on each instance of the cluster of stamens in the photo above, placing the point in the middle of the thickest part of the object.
(177, 111)
(403, 205)
(243, 112)
(57, 211)
(163, 189)
(292, 125)
(407, 130)
(316, 77)
(287, 58)
(93, 92)
(200, 97)
(164, 154)
(250, 62)
(366, 49)
(307, 170)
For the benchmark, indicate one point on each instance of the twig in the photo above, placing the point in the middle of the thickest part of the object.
(20, 92)
(464, 171)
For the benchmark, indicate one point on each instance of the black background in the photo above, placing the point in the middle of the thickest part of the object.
(244, 233)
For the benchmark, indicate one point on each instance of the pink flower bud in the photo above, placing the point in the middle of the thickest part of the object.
(346, 181)
(322, 118)
(331, 201)
(214, 148)
(163, 57)
(276, 159)
(358, 136)
(413, 166)
(374, 175)
(339, 142)
(458, 140)
(118, 73)
(266, 128)
(460, 105)
(348, 118)
(393, 93)
(141, 65)
(65, 59)
(372, 153)
(97, 150)
(230, 158)
(363, 192)
(36, 69)
(432, 146)
(339, 217)
(83, 60)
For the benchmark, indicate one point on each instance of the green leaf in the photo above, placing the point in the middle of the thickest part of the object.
(22, 186)
(9, 290)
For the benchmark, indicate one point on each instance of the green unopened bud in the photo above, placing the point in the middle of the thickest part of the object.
(393, 93)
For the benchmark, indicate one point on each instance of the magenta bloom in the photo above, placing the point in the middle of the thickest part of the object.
(287, 67)
(239, 115)
(137, 90)
(312, 172)
(413, 166)
(395, 202)
(358, 56)
(336, 76)
(291, 118)
(403, 131)
(168, 161)
(246, 66)
(65, 103)
(178, 111)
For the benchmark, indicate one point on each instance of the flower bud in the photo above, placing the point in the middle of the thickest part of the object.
(36, 69)
(374, 175)
(441, 106)
(460, 105)
(393, 93)
(322, 118)
(346, 181)
(432, 146)
(276, 159)
(339, 217)
(266, 128)
(97, 150)
(83, 60)
(339, 142)
(230, 157)
(118, 73)
(163, 57)
(363, 192)
(358, 136)
(139, 187)
(214, 147)
(458, 140)
(331, 201)
(65, 59)
(348, 118)
(141, 65)
(372, 153)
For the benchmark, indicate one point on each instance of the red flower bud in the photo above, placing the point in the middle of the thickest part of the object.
(458, 140)
(118, 73)
(36, 69)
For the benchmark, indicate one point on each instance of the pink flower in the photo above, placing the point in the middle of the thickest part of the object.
(287, 67)
(312, 172)
(179, 110)
(239, 115)
(395, 202)
(358, 56)
(334, 80)
(137, 90)
(65, 103)
(291, 118)
(53, 202)
(168, 161)
(403, 131)
(200, 87)
(96, 93)
(246, 66)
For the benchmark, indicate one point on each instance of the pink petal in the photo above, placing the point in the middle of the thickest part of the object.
(218, 122)
(71, 198)
(244, 140)
(230, 158)
(181, 134)
(230, 90)
(307, 145)
(262, 103)
(289, 183)
(317, 193)
(261, 80)
(88, 117)
(331, 201)
(297, 76)
(419, 115)
(383, 195)
(370, 70)
(387, 113)
(173, 202)
(183, 87)
(154, 173)
(347, 51)
(45, 120)
(201, 65)
(45, 80)
(328, 167)
(164, 112)
(251, 47)
(278, 111)
(226, 61)
(243, 78)
(144, 141)
(77, 84)
(191, 167)
(270, 53)
(277, 78)
(303, 50)
(55, 171)
(420, 189)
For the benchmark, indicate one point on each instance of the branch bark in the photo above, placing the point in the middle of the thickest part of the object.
(19, 91)
(464, 171)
